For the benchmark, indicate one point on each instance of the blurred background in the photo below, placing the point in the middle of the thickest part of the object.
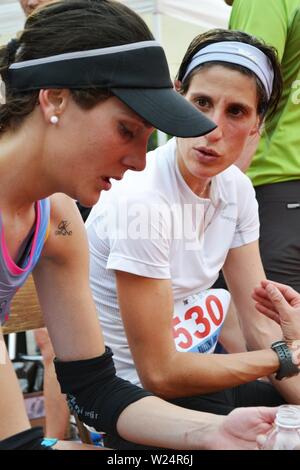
(173, 22)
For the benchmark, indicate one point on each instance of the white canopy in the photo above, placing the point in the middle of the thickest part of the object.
(204, 13)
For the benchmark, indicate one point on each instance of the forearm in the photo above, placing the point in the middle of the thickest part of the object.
(13, 415)
(231, 337)
(259, 331)
(160, 424)
(111, 404)
(190, 374)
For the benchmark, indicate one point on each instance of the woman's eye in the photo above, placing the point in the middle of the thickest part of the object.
(203, 102)
(236, 111)
(125, 132)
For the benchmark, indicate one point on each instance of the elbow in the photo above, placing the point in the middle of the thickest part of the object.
(159, 384)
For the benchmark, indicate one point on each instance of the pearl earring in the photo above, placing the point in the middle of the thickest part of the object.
(54, 120)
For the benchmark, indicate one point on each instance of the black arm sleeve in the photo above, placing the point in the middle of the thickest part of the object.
(32, 439)
(94, 391)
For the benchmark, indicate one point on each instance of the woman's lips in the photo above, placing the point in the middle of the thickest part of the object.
(106, 183)
(206, 155)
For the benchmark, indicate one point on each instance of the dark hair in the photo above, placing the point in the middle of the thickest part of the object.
(61, 27)
(218, 35)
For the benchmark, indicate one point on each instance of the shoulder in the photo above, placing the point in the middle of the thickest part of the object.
(66, 230)
(237, 190)
(64, 213)
(61, 205)
(234, 176)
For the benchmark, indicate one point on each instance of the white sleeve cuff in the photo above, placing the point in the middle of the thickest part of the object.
(133, 266)
(244, 238)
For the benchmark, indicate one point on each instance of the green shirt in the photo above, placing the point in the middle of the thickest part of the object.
(277, 22)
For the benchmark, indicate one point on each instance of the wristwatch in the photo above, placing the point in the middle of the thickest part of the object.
(287, 367)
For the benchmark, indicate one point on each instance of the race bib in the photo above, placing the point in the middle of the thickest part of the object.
(198, 320)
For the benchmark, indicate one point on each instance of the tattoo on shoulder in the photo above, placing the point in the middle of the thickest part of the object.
(63, 228)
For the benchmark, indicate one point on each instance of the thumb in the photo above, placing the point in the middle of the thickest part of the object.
(278, 300)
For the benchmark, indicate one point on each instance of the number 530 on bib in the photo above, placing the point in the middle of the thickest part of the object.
(198, 320)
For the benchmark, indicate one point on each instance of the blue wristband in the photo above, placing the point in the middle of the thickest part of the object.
(48, 442)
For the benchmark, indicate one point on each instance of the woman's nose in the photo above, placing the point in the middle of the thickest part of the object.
(217, 133)
(136, 160)
(214, 135)
(136, 157)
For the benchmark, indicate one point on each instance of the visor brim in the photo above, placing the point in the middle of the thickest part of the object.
(166, 110)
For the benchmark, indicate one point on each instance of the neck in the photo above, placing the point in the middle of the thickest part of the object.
(204, 191)
(198, 184)
(21, 174)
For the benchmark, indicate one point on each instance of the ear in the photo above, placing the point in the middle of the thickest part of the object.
(53, 102)
(177, 85)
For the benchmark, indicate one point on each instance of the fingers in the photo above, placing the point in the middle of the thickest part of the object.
(262, 289)
(271, 302)
(268, 416)
(261, 440)
(268, 413)
(288, 292)
(278, 300)
(264, 305)
(263, 300)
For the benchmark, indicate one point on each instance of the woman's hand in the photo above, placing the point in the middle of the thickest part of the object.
(281, 303)
(241, 428)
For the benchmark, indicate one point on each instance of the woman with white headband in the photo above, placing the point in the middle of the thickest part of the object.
(81, 90)
(159, 238)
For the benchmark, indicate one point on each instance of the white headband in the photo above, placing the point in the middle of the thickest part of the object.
(238, 53)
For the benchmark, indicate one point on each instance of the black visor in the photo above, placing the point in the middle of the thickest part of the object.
(136, 73)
